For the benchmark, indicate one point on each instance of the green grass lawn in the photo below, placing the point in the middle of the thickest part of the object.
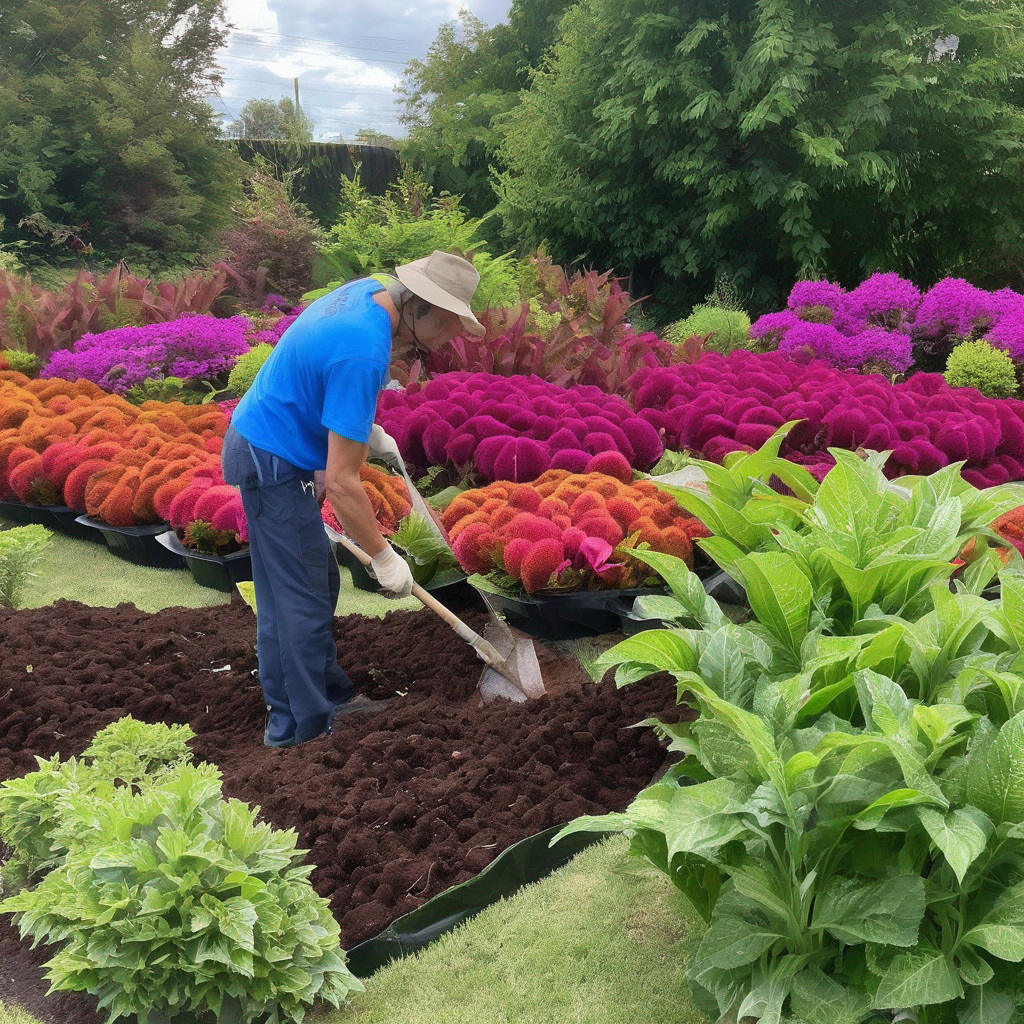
(79, 570)
(604, 940)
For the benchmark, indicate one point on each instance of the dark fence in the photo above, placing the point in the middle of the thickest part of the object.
(320, 167)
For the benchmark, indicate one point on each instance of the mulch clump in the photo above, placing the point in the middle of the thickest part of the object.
(394, 806)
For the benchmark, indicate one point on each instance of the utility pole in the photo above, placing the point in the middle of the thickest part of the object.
(296, 95)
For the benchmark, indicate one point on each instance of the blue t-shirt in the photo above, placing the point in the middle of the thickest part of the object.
(325, 374)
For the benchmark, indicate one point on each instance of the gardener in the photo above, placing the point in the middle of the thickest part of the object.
(302, 431)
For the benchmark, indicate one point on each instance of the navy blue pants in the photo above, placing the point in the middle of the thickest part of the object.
(297, 583)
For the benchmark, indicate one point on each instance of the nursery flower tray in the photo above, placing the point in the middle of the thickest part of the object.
(137, 544)
(568, 616)
(19, 512)
(218, 572)
(67, 522)
(520, 864)
(445, 586)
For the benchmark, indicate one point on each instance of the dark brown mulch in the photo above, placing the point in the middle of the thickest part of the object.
(395, 807)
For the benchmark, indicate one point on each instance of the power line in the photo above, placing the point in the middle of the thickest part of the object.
(53, 42)
(284, 83)
(308, 39)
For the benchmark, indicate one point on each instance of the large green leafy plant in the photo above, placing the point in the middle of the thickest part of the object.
(179, 901)
(853, 826)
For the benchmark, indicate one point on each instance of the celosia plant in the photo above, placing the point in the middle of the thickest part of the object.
(388, 495)
(512, 428)
(569, 531)
(735, 402)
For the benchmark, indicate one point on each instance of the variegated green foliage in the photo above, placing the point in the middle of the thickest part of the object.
(848, 813)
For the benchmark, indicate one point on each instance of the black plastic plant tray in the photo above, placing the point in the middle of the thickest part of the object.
(523, 863)
(569, 616)
(218, 572)
(137, 544)
(19, 512)
(67, 522)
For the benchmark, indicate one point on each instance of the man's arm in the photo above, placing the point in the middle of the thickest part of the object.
(346, 495)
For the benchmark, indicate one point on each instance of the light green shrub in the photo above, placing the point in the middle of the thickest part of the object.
(377, 234)
(181, 903)
(20, 551)
(976, 364)
(23, 362)
(162, 389)
(245, 370)
(128, 751)
(729, 328)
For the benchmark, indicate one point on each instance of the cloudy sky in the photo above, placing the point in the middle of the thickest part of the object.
(348, 55)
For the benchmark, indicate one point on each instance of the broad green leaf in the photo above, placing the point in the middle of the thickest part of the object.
(995, 774)
(1001, 932)
(986, 1005)
(1012, 590)
(660, 650)
(887, 912)
(848, 498)
(724, 663)
(780, 596)
(818, 999)
(961, 835)
(701, 819)
(918, 977)
(973, 967)
(686, 587)
(738, 935)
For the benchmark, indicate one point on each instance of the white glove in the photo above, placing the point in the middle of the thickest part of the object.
(392, 571)
(383, 446)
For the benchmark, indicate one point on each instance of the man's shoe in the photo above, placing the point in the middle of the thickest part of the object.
(360, 702)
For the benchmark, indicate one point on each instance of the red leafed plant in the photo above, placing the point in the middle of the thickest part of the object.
(40, 320)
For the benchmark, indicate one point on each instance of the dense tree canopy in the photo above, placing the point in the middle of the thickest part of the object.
(471, 74)
(272, 119)
(765, 138)
(106, 138)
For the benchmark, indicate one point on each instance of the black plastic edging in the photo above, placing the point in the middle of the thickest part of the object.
(523, 863)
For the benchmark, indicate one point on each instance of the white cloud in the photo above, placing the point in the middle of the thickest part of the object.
(348, 57)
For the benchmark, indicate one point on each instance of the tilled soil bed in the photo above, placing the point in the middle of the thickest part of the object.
(395, 806)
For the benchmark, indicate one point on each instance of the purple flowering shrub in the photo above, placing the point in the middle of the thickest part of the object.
(735, 402)
(192, 348)
(512, 428)
(887, 323)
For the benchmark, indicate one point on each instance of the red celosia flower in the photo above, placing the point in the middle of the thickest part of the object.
(472, 548)
(180, 512)
(540, 563)
(613, 464)
(78, 479)
(117, 506)
(513, 554)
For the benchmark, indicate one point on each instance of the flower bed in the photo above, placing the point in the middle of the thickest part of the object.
(735, 402)
(568, 531)
(512, 428)
(395, 806)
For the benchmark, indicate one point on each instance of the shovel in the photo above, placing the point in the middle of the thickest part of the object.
(516, 675)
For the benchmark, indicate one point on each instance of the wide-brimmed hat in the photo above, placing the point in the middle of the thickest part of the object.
(445, 281)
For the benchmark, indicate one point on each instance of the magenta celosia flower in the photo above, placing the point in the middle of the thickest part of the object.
(883, 300)
(192, 347)
(826, 342)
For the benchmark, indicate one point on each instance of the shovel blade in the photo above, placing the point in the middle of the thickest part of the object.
(521, 664)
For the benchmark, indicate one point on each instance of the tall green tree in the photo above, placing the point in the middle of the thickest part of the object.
(270, 119)
(106, 136)
(471, 74)
(769, 138)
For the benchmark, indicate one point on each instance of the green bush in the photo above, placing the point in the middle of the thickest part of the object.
(21, 361)
(847, 813)
(729, 328)
(20, 551)
(376, 235)
(976, 364)
(36, 819)
(181, 903)
(162, 389)
(245, 370)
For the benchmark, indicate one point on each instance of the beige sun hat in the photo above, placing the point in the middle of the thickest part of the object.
(446, 281)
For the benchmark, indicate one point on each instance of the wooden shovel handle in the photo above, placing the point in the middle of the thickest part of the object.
(421, 595)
